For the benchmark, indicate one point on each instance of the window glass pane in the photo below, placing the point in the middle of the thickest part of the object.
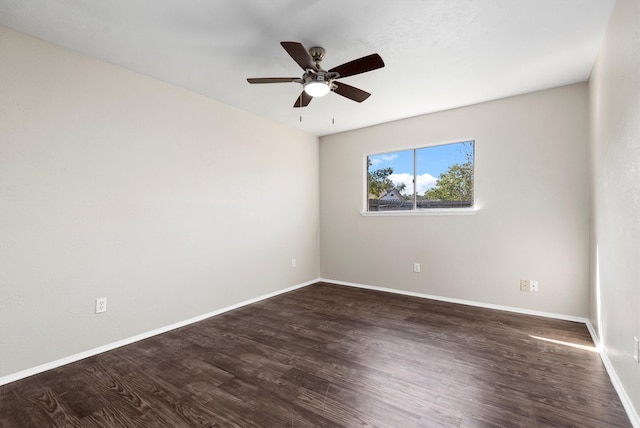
(390, 181)
(445, 176)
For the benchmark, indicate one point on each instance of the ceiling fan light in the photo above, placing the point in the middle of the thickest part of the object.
(317, 89)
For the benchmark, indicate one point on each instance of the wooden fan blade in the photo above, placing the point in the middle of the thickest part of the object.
(299, 55)
(272, 79)
(350, 92)
(360, 65)
(303, 100)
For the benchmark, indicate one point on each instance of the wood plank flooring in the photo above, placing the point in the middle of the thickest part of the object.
(334, 356)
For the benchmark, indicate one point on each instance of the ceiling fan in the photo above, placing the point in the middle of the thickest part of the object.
(317, 82)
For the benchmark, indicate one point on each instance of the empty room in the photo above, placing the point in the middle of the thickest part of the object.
(320, 214)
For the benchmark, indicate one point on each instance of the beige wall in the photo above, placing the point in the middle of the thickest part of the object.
(531, 190)
(113, 184)
(615, 230)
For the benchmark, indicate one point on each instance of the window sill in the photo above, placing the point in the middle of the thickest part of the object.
(431, 211)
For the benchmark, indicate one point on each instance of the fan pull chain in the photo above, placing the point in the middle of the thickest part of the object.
(300, 104)
(333, 111)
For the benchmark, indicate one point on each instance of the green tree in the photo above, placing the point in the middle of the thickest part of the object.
(454, 185)
(378, 180)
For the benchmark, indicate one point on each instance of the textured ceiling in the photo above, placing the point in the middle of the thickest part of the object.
(439, 54)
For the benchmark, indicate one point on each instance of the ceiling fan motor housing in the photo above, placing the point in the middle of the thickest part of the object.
(318, 76)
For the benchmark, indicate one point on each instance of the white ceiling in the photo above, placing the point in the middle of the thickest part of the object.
(439, 54)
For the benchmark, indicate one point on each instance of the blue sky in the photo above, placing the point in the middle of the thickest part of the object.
(431, 162)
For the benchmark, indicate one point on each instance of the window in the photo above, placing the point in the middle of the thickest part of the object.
(421, 179)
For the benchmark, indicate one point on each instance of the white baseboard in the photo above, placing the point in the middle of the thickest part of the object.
(615, 380)
(624, 398)
(90, 353)
(460, 301)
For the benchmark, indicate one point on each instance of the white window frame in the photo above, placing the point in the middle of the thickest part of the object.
(472, 210)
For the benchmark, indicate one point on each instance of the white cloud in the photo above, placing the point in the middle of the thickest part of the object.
(403, 178)
(378, 159)
(424, 182)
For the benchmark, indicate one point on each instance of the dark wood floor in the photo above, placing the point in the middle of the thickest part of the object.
(333, 356)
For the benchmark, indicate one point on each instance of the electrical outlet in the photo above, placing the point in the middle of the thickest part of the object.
(533, 285)
(101, 305)
(416, 267)
(525, 285)
(294, 263)
(636, 350)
